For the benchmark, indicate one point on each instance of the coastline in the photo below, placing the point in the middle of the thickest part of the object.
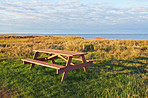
(81, 36)
(115, 60)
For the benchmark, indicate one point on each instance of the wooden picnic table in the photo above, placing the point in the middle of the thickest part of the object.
(65, 55)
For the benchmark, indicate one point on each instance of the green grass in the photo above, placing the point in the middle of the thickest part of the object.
(44, 82)
(120, 69)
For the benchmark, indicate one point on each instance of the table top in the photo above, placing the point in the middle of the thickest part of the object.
(61, 52)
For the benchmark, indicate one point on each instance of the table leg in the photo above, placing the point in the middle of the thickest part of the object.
(84, 61)
(52, 60)
(68, 64)
(64, 76)
(34, 57)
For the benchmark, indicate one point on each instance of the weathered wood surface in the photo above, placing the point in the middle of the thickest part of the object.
(32, 61)
(67, 65)
(54, 54)
(34, 57)
(84, 61)
(61, 52)
(52, 58)
(80, 59)
(46, 58)
(76, 66)
(62, 57)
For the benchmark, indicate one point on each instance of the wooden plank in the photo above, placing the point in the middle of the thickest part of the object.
(80, 59)
(52, 56)
(52, 59)
(34, 57)
(46, 58)
(67, 65)
(43, 59)
(62, 57)
(32, 61)
(76, 66)
(61, 52)
(69, 61)
(64, 76)
(84, 61)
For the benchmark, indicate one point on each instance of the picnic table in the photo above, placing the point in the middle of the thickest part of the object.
(64, 55)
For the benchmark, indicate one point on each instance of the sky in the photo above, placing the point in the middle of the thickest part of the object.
(74, 16)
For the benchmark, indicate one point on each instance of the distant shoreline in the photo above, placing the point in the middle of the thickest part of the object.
(86, 36)
(106, 36)
(3, 33)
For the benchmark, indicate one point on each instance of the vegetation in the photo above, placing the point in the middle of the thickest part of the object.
(120, 68)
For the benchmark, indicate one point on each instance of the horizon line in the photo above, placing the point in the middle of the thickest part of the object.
(34, 33)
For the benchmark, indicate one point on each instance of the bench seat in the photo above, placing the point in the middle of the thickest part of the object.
(33, 61)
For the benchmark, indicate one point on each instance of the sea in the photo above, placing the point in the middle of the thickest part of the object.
(107, 36)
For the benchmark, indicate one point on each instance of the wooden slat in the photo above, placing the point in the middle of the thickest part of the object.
(62, 57)
(84, 61)
(52, 56)
(46, 58)
(43, 59)
(61, 52)
(88, 60)
(67, 65)
(32, 61)
(52, 59)
(76, 66)
(34, 57)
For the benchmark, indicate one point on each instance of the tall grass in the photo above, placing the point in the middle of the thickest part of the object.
(119, 70)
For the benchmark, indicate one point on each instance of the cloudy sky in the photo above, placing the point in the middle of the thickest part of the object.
(74, 16)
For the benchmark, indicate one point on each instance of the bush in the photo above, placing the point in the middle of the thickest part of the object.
(144, 48)
(79, 47)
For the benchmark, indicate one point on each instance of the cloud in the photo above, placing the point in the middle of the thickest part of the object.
(68, 15)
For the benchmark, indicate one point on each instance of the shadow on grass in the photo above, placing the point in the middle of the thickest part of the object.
(142, 58)
(138, 65)
(44, 82)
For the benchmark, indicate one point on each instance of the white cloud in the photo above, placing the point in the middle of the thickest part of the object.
(69, 14)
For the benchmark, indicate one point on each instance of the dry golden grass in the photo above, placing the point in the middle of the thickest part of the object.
(22, 45)
(119, 70)
(114, 51)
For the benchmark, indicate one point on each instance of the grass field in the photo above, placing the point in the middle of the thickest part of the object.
(120, 68)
